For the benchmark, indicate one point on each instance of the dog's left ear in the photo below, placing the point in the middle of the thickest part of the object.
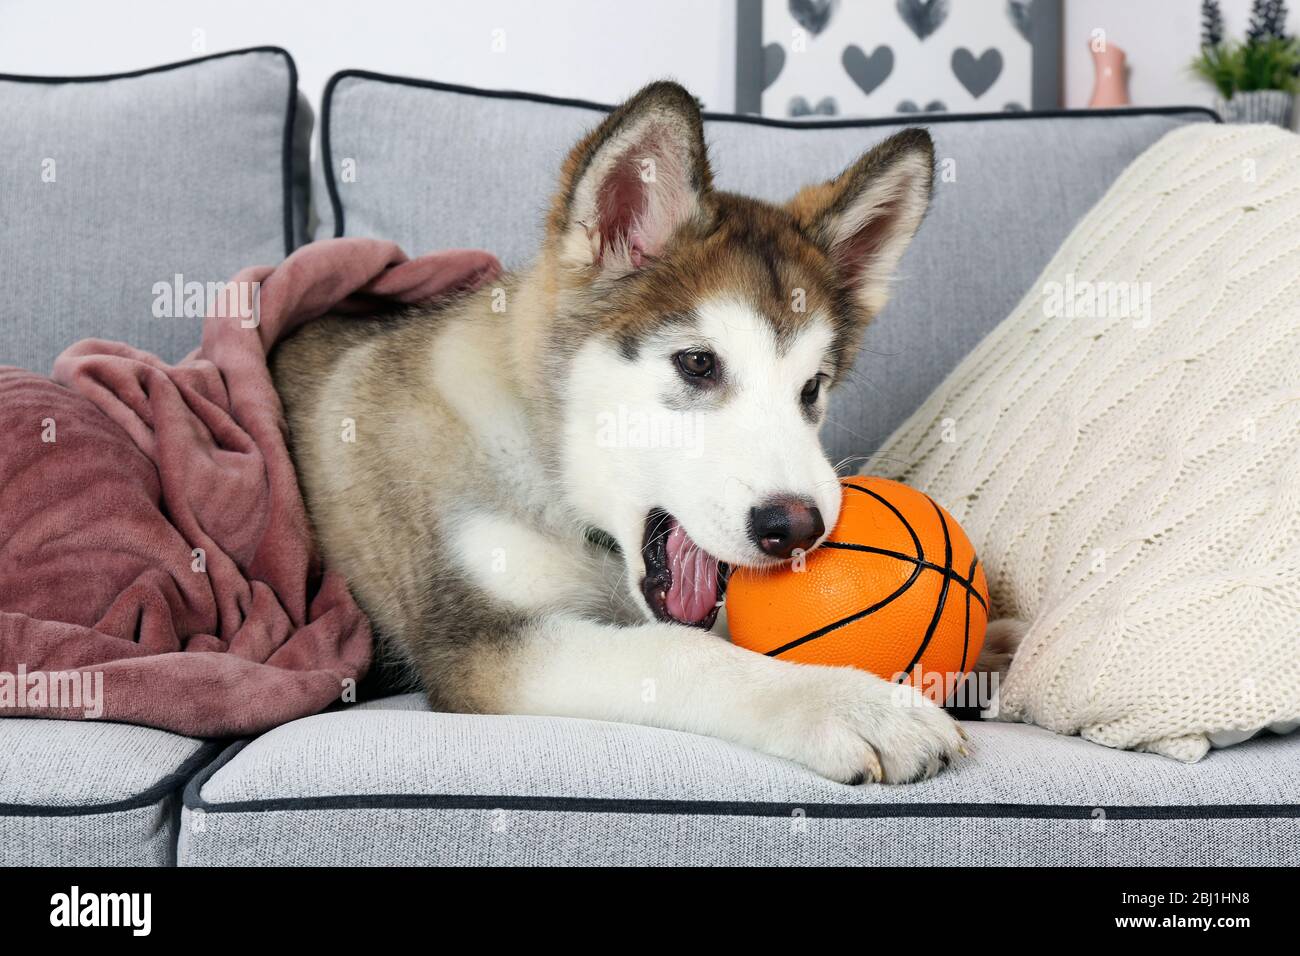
(865, 217)
(632, 182)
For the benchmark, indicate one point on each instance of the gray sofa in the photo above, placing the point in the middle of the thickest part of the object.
(387, 781)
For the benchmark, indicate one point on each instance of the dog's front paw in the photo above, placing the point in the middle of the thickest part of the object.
(852, 727)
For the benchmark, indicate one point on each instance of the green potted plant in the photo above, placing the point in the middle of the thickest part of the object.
(1256, 79)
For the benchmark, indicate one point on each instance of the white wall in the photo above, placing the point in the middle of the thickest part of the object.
(593, 49)
(1160, 38)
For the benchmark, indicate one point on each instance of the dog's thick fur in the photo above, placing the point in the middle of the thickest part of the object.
(462, 512)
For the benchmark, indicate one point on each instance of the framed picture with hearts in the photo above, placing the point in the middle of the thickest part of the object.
(820, 59)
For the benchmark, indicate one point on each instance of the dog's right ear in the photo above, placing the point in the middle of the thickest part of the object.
(632, 182)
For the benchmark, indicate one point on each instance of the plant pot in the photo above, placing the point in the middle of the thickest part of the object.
(1258, 106)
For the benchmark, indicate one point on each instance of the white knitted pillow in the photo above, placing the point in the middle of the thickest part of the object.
(1130, 471)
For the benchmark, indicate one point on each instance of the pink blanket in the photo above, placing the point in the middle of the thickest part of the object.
(152, 535)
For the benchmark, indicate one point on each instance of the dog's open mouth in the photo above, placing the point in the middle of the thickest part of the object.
(683, 582)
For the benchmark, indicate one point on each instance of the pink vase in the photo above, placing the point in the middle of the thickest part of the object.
(1111, 85)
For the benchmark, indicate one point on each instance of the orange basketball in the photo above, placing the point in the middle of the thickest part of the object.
(896, 590)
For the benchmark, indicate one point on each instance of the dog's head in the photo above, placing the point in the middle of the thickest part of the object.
(694, 335)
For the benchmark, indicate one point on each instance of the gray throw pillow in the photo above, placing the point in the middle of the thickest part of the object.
(111, 185)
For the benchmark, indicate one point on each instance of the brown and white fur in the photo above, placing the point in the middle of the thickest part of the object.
(462, 514)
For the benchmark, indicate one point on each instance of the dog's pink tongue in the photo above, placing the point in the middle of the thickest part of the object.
(694, 591)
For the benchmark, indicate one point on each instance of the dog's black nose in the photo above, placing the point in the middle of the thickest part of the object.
(782, 526)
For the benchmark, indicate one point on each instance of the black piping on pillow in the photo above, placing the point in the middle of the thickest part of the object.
(327, 158)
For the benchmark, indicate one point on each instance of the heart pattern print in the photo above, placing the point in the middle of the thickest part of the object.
(923, 17)
(868, 72)
(976, 74)
(801, 107)
(812, 15)
(829, 58)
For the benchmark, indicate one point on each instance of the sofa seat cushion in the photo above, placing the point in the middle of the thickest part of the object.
(82, 793)
(112, 186)
(433, 166)
(391, 783)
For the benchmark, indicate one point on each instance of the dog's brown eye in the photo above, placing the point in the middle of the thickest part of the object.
(811, 390)
(696, 364)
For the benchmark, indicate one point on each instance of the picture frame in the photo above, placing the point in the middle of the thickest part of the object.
(995, 56)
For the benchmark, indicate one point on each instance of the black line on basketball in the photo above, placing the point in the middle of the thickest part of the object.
(967, 583)
(855, 616)
(943, 591)
(965, 641)
(916, 540)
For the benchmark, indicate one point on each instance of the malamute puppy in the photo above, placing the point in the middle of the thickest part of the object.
(519, 551)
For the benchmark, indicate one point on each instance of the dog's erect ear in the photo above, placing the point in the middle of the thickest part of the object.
(632, 182)
(865, 217)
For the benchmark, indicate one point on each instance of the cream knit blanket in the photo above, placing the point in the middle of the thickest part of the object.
(1124, 450)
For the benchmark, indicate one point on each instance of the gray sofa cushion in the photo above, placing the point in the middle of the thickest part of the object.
(76, 793)
(195, 168)
(432, 166)
(392, 783)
